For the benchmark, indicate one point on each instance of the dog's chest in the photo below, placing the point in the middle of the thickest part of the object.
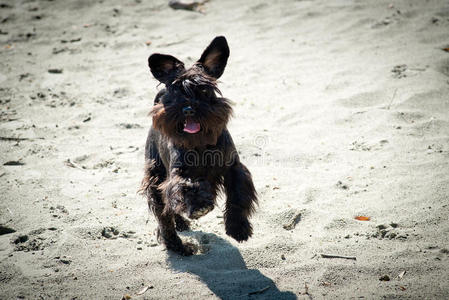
(210, 162)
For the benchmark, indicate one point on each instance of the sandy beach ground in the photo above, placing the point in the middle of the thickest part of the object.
(341, 110)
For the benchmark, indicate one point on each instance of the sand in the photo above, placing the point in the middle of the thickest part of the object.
(341, 110)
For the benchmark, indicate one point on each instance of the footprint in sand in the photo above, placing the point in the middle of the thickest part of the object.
(101, 232)
(35, 240)
(388, 231)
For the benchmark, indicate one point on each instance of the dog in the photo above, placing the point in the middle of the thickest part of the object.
(189, 153)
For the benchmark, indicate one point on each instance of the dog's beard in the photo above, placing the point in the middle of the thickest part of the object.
(192, 132)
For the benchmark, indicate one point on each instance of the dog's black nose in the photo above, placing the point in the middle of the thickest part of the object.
(188, 111)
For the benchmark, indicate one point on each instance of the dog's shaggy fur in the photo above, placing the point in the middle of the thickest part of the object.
(189, 153)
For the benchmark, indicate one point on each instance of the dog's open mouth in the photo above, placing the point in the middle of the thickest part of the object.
(190, 126)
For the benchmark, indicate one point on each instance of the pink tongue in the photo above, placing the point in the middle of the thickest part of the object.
(191, 126)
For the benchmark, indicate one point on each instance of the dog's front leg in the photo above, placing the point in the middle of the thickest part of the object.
(165, 211)
(240, 203)
(166, 232)
(174, 188)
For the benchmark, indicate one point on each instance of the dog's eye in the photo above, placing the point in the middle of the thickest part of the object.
(205, 93)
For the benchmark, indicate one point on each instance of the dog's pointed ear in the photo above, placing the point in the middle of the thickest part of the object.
(165, 68)
(215, 57)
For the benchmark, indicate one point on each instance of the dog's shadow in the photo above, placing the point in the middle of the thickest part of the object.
(224, 271)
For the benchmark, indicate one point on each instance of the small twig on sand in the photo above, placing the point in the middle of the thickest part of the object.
(13, 139)
(338, 256)
(187, 5)
(16, 139)
(14, 163)
(417, 69)
(259, 291)
(392, 98)
(68, 163)
(143, 291)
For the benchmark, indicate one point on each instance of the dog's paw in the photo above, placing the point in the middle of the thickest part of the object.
(174, 243)
(198, 212)
(184, 249)
(239, 229)
(187, 249)
(194, 198)
(199, 199)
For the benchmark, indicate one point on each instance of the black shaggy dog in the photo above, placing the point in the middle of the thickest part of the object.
(189, 153)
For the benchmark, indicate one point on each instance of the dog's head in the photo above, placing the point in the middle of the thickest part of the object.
(188, 110)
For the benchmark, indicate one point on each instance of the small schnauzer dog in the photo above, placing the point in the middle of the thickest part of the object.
(189, 153)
